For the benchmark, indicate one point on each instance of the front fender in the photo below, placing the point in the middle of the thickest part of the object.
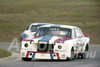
(69, 45)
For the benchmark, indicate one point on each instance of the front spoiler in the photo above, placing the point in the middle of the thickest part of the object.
(42, 55)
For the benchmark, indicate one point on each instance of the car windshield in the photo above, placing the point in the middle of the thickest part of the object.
(54, 31)
(34, 28)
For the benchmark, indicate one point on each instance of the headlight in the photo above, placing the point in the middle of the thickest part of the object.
(59, 46)
(26, 45)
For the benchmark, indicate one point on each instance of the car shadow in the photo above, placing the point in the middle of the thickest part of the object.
(49, 60)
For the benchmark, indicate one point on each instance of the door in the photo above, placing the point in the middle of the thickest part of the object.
(79, 39)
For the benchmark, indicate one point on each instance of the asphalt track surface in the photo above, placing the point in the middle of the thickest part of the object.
(93, 60)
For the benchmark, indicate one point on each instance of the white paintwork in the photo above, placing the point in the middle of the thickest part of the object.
(29, 33)
(78, 43)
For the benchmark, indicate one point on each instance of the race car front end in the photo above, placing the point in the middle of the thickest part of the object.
(45, 47)
(38, 50)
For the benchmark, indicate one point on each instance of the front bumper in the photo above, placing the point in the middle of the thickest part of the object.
(42, 55)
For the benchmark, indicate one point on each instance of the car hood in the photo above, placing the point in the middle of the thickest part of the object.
(48, 39)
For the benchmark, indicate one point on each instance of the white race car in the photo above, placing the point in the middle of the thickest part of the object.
(55, 42)
(31, 30)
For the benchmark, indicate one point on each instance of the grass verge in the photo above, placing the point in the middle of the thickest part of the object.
(4, 53)
(16, 15)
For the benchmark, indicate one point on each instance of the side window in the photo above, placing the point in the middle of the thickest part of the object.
(78, 33)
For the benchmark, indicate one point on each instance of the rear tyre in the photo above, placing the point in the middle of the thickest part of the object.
(72, 55)
(26, 59)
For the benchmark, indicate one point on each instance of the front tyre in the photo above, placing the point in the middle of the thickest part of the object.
(72, 55)
(26, 59)
(84, 55)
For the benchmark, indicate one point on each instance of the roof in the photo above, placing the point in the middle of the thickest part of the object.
(63, 26)
(41, 24)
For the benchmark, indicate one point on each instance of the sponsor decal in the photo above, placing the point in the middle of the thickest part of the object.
(56, 50)
(62, 40)
(63, 56)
